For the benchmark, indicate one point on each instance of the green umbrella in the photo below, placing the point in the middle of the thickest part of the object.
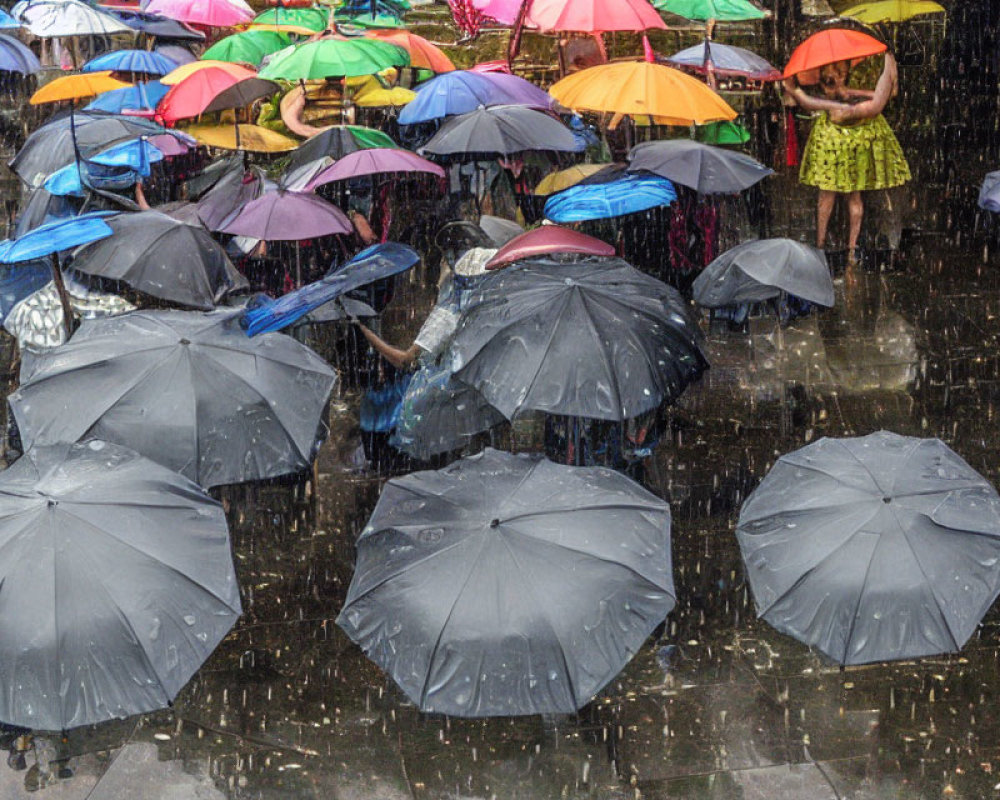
(313, 19)
(336, 58)
(383, 21)
(248, 47)
(722, 133)
(722, 10)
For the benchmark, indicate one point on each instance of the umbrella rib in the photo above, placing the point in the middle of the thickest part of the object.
(861, 594)
(548, 344)
(602, 346)
(599, 507)
(862, 465)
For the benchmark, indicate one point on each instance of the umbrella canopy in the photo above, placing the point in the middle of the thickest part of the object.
(251, 138)
(16, 57)
(118, 585)
(228, 196)
(501, 129)
(547, 240)
(828, 47)
(628, 194)
(544, 606)
(336, 142)
(423, 54)
(46, 18)
(187, 389)
(161, 257)
(157, 26)
(211, 90)
(375, 161)
(592, 338)
(7, 21)
(73, 87)
(372, 94)
(185, 71)
(762, 269)
(288, 216)
(134, 156)
(641, 87)
(208, 13)
(892, 10)
(303, 21)
(722, 133)
(706, 169)
(340, 58)
(721, 10)
(55, 237)
(726, 60)
(131, 61)
(142, 97)
(989, 192)
(564, 178)
(873, 548)
(462, 91)
(249, 47)
(241, 94)
(592, 16)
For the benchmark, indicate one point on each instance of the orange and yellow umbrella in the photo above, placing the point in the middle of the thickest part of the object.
(187, 70)
(642, 88)
(423, 54)
(74, 87)
(252, 138)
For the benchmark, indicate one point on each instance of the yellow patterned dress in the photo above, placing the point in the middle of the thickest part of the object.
(857, 157)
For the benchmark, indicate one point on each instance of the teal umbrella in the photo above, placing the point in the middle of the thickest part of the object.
(336, 58)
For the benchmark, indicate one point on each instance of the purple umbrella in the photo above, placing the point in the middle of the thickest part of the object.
(372, 162)
(462, 91)
(16, 57)
(519, 90)
(289, 217)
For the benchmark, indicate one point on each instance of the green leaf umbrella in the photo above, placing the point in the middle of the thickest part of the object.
(293, 20)
(248, 47)
(336, 58)
(721, 10)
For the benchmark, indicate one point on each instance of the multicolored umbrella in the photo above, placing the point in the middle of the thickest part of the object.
(211, 90)
(250, 138)
(892, 10)
(73, 87)
(131, 61)
(248, 47)
(288, 217)
(593, 16)
(208, 13)
(374, 161)
(303, 21)
(423, 54)
(185, 71)
(721, 10)
(828, 47)
(548, 240)
(340, 58)
(17, 57)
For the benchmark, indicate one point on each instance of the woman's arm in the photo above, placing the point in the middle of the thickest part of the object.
(400, 359)
(884, 90)
(807, 101)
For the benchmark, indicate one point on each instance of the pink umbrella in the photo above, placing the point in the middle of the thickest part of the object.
(503, 11)
(210, 13)
(592, 16)
(372, 162)
(546, 240)
(491, 66)
(288, 217)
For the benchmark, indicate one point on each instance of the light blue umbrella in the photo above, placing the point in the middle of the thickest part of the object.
(460, 92)
(628, 194)
(136, 155)
(16, 57)
(7, 21)
(141, 97)
(131, 61)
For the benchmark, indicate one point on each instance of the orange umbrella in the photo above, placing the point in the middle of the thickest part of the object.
(829, 47)
(640, 88)
(73, 87)
(186, 70)
(423, 54)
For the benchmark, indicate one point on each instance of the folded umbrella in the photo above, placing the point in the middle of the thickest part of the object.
(503, 130)
(702, 167)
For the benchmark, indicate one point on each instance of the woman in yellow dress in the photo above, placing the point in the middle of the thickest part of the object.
(851, 148)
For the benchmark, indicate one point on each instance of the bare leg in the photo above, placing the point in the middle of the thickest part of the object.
(824, 208)
(855, 213)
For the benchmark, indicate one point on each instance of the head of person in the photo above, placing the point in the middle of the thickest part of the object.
(833, 78)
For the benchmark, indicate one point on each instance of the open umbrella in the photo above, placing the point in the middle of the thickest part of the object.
(211, 90)
(288, 217)
(706, 169)
(628, 194)
(721, 10)
(249, 138)
(727, 60)
(760, 270)
(592, 338)
(249, 47)
(47, 18)
(118, 584)
(892, 10)
(184, 71)
(303, 21)
(7, 21)
(159, 27)
(423, 54)
(187, 389)
(989, 192)
(372, 94)
(73, 87)
(543, 607)
(592, 16)
(828, 47)
(163, 258)
(229, 195)
(375, 161)
(340, 58)
(548, 240)
(143, 97)
(501, 129)
(207, 13)
(16, 57)
(642, 87)
(564, 178)
(462, 91)
(873, 548)
(336, 142)
(131, 61)
(118, 167)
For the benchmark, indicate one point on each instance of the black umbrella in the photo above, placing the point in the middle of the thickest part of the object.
(118, 582)
(229, 195)
(505, 585)
(702, 167)
(162, 257)
(593, 338)
(187, 389)
(242, 93)
(336, 142)
(501, 129)
(873, 548)
(762, 269)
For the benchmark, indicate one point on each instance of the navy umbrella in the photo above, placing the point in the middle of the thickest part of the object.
(702, 167)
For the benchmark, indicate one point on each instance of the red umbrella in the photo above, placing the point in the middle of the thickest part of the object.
(593, 16)
(545, 240)
(195, 93)
(829, 47)
(372, 162)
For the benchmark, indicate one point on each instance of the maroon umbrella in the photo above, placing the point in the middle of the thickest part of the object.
(545, 240)
(372, 162)
(289, 217)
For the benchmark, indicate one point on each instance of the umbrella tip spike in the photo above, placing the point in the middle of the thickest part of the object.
(495, 523)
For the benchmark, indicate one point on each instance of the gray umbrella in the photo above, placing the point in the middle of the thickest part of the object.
(118, 582)
(190, 390)
(501, 129)
(873, 548)
(505, 585)
(702, 167)
(165, 258)
(592, 338)
(762, 269)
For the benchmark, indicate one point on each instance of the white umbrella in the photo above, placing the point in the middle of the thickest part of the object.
(48, 18)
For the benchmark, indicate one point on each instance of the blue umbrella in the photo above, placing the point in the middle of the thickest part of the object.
(18, 282)
(141, 97)
(371, 264)
(15, 57)
(133, 156)
(460, 92)
(726, 59)
(7, 21)
(989, 193)
(131, 61)
(155, 25)
(625, 195)
(54, 237)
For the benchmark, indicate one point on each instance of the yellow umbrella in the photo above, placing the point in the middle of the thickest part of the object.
(187, 70)
(642, 87)
(564, 178)
(892, 10)
(281, 27)
(372, 94)
(242, 137)
(73, 87)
